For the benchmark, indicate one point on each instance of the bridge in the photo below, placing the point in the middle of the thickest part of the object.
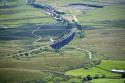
(63, 41)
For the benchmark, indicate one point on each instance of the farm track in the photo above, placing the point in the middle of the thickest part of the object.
(87, 51)
(38, 37)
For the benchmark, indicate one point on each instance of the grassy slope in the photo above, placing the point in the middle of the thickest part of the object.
(18, 75)
(103, 42)
(22, 14)
(112, 12)
(108, 43)
(106, 64)
(46, 62)
(36, 64)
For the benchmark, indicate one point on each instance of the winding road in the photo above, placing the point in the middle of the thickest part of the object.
(38, 37)
(87, 51)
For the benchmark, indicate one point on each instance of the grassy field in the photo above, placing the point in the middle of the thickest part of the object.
(107, 43)
(108, 81)
(45, 61)
(22, 14)
(17, 75)
(106, 64)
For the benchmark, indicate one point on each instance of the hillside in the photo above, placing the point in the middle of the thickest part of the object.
(24, 28)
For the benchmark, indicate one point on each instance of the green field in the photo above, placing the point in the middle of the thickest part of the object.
(106, 64)
(105, 40)
(108, 81)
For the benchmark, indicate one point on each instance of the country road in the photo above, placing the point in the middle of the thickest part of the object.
(87, 51)
(38, 37)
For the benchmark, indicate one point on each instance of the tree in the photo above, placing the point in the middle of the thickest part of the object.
(82, 34)
(89, 77)
(103, 76)
(83, 80)
(21, 54)
(26, 54)
(96, 76)
(123, 76)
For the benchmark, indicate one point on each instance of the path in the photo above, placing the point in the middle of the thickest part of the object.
(89, 52)
(38, 37)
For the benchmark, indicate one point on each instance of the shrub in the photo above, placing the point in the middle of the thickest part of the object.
(89, 77)
(21, 54)
(56, 80)
(92, 64)
(73, 82)
(86, 66)
(123, 75)
(83, 80)
(79, 77)
(103, 75)
(42, 81)
(96, 62)
(65, 78)
(26, 54)
(49, 78)
(96, 76)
